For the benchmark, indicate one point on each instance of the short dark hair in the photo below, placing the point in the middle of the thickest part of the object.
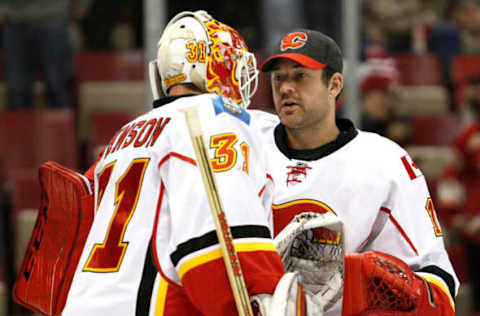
(326, 76)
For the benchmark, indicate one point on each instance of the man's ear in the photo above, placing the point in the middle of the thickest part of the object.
(335, 85)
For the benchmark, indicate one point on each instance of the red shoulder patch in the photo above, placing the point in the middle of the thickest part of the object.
(412, 169)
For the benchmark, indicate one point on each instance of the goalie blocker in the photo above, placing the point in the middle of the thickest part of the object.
(56, 243)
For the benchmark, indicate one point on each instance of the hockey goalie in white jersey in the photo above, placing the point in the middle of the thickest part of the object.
(152, 248)
(395, 262)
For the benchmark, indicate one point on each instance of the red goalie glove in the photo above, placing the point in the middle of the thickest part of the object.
(377, 284)
(64, 219)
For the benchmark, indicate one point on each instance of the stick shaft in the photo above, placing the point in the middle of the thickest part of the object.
(224, 234)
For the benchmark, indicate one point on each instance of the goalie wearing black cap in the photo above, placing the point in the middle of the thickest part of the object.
(395, 259)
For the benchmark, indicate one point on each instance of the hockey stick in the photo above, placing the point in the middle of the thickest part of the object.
(224, 234)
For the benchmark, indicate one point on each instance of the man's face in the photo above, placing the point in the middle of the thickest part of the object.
(378, 104)
(300, 95)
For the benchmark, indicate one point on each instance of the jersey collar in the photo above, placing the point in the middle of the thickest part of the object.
(165, 100)
(347, 133)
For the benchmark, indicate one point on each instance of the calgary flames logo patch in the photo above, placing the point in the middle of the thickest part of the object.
(293, 40)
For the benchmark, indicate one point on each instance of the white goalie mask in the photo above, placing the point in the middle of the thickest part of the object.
(197, 49)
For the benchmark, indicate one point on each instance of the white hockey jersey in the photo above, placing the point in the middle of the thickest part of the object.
(152, 215)
(372, 184)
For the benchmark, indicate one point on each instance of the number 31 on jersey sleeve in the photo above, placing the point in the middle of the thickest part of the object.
(225, 156)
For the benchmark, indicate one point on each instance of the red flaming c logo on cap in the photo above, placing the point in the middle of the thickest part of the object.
(293, 40)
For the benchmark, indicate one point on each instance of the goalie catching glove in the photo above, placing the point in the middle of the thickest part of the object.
(379, 284)
(313, 245)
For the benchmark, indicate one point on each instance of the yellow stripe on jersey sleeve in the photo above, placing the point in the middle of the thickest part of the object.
(217, 253)
(432, 279)
(161, 297)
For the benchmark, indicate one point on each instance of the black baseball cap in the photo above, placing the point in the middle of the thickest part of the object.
(311, 49)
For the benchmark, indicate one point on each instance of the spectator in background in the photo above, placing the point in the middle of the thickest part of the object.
(378, 102)
(390, 27)
(36, 34)
(392, 19)
(458, 32)
(466, 15)
(459, 189)
(379, 99)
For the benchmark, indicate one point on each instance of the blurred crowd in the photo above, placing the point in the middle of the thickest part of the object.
(445, 29)
(40, 38)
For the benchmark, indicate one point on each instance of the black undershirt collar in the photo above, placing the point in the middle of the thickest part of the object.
(347, 133)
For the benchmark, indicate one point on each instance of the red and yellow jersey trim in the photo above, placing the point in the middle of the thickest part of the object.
(284, 213)
(217, 253)
(433, 279)
(281, 206)
(161, 297)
